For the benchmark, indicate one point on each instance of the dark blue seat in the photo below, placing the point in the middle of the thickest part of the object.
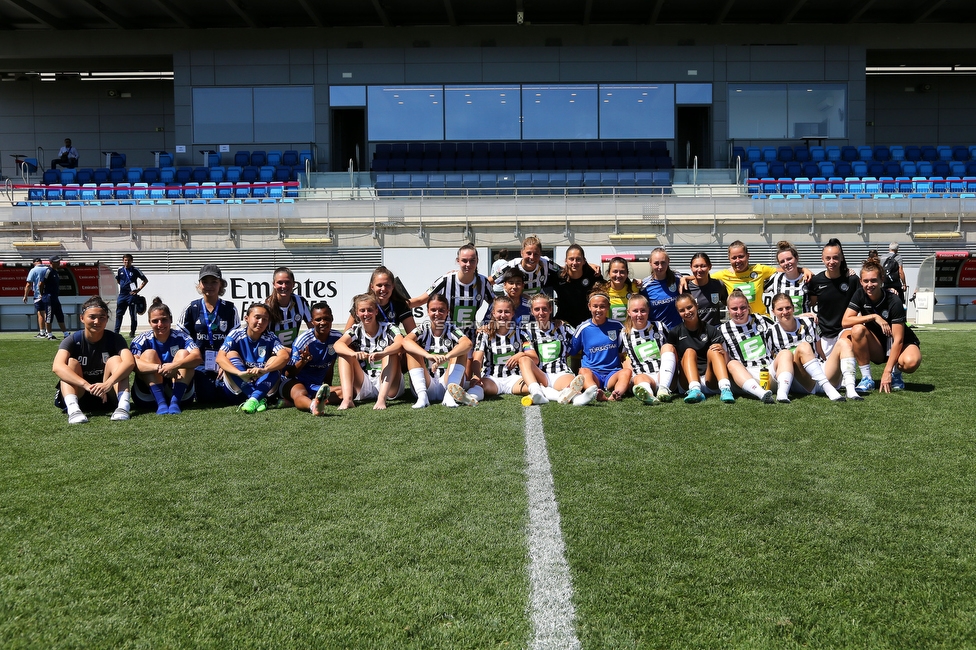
(793, 169)
(258, 158)
(150, 175)
(165, 159)
(801, 154)
(242, 158)
(289, 158)
(848, 153)
(784, 154)
(117, 161)
(51, 176)
(960, 153)
(183, 175)
(882, 153)
(84, 176)
(930, 153)
(843, 168)
(249, 174)
(100, 175)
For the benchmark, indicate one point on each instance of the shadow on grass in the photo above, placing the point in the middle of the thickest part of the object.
(919, 388)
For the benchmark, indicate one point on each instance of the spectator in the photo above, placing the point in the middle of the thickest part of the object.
(52, 298)
(67, 156)
(894, 271)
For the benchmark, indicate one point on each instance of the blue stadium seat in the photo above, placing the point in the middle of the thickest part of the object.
(897, 153)
(871, 185)
(289, 158)
(51, 176)
(504, 184)
(150, 175)
(213, 159)
(955, 184)
(83, 176)
(903, 183)
(876, 168)
(833, 154)
(540, 182)
(165, 159)
(233, 174)
(258, 159)
(249, 174)
(453, 182)
(818, 154)
(167, 175)
(305, 155)
(117, 175)
(793, 169)
(940, 168)
(848, 153)
(116, 160)
(888, 184)
(924, 168)
(200, 174)
(801, 154)
(938, 184)
(100, 175)
(769, 154)
(803, 185)
(843, 168)
(820, 185)
(218, 174)
(140, 191)
(921, 184)
(859, 168)
(957, 168)
(242, 190)
(274, 158)
(865, 153)
(183, 175)
(913, 153)
(134, 175)
(242, 158)
(436, 184)
(786, 184)
(106, 191)
(929, 153)
(157, 191)
(760, 169)
(626, 182)
(945, 152)
(591, 183)
(753, 154)
(784, 154)
(471, 183)
(960, 153)
(259, 190)
(384, 184)
(68, 176)
(882, 153)
(72, 192)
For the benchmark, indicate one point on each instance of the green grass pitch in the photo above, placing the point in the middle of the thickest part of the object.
(747, 526)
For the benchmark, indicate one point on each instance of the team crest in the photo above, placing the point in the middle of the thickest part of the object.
(586, 282)
(753, 275)
(843, 287)
(262, 350)
(173, 349)
(105, 357)
(612, 335)
(715, 297)
(808, 338)
(223, 326)
(331, 350)
(673, 287)
(703, 336)
(884, 314)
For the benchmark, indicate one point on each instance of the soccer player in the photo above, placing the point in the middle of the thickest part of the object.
(514, 282)
(165, 360)
(496, 356)
(598, 340)
(879, 333)
(748, 278)
(391, 308)
(661, 288)
(830, 292)
(551, 379)
(620, 288)
(787, 280)
(436, 352)
(573, 284)
(709, 293)
(252, 359)
(745, 343)
(311, 364)
(209, 321)
(802, 372)
(288, 309)
(35, 282)
(652, 359)
(701, 350)
(93, 367)
(129, 278)
(540, 272)
(466, 291)
(369, 357)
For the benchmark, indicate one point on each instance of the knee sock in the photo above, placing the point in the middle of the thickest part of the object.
(125, 400)
(477, 392)
(784, 381)
(753, 388)
(71, 401)
(418, 381)
(158, 394)
(668, 363)
(551, 393)
(179, 388)
(815, 369)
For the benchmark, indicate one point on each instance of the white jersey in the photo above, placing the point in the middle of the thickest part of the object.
(498, 350)
(463, 300)
(363, 342)
(795, 289)
(747, 343)
(438, 345)
(292, 317)
(778, 339)
(550, 345)
(643, 347)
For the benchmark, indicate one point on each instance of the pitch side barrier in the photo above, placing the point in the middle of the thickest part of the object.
(946, 288)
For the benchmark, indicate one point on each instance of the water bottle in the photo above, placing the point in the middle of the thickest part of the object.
(764, 377)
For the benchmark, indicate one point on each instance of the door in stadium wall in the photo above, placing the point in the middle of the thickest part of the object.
(349, 139)
(692, 137)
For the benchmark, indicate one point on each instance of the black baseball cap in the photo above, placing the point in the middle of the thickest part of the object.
(210, 269)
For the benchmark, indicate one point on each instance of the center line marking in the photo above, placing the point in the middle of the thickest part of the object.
(550, 587)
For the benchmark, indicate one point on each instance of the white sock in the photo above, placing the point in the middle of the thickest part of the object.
(865, 370)
(418, 380)
(535, 388)
(646, 386)
(586, 396)
(448, 401)
(724, 383)
(551, 393)
(753, 388)
(694, 385)
(815, 369)
(477, 392)
(666, 375)
(785, 380)
(124, 400)
(455, 374)
(71, 401)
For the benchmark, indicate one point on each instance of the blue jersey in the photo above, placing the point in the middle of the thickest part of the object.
(323, 356)
(179, 339)
(36, 277)
(599, 344)
(662, 296)
(254, 354)
(127, 277)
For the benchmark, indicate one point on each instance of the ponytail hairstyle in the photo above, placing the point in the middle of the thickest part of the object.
(779, 297)
(157, 305)
(669, 277)
(274, 305)
(844, 270)
(564, 271)
(363, 297)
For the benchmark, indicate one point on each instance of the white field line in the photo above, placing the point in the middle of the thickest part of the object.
(550, 588)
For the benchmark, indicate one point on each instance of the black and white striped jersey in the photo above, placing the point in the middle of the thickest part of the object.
(550, 345)
(463, 300)
(498, 349)
(363, 342)
(643, 347)
(292, 317)
(779, 339)
(747, 343)
(795, 289)
(438, 345)
(542, 279)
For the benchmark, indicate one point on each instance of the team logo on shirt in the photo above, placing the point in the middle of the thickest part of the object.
(808, 338)
(331, 350)
(672, 287)
(262, 350)
(714, 297)
(753, 275)
(612, 335)
(884, 314)
(104, 357)
(586, 282)
(843, 287)
(173, 349)
(223, 326)
(703, 336)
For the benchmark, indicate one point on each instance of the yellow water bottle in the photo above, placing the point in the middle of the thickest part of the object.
(764, 377)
